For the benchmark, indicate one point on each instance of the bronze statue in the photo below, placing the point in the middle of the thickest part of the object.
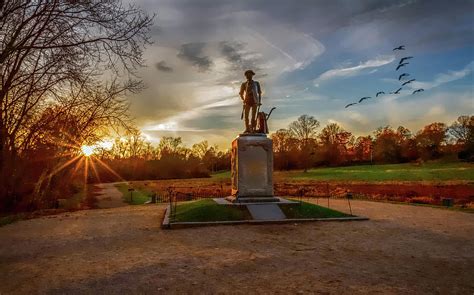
(251, 95)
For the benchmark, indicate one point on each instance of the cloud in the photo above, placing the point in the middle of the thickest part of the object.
(284, 48)
(436, 110)
(208, 44)
(162, 66)
(192, 52)
(170, 126)
(210, 107)
(239, 56)
(444, 78)
(358, 118)
(351, 71)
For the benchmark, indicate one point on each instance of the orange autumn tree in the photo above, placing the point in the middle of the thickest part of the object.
(431, 139)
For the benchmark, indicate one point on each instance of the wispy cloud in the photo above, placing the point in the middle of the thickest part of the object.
(178, 121)
(444, 78)
(193, 52)
(354, 70)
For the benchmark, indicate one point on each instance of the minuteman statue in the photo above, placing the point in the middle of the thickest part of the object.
(251, 94)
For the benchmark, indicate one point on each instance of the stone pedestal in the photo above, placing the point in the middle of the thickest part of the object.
(252, 169)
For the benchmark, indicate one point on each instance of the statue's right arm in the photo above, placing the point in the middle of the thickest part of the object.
(242, 89)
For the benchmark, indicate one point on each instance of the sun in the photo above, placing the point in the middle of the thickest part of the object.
(87, 150)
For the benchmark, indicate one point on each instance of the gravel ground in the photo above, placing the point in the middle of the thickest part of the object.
(401, 250)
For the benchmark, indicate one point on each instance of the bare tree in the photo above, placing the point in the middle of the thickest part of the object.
(136, 143)
(170, 146)
(462, 129)
(200, 149)
(48, 48)
(304, 129)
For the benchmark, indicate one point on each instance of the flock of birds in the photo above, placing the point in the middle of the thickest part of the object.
(402, 78)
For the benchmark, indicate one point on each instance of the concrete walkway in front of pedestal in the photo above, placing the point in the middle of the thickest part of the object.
(266, 212)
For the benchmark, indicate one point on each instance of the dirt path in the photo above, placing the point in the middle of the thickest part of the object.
(401, 250)
(109, 196)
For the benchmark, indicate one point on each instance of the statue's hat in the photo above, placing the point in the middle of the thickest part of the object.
(249, 72)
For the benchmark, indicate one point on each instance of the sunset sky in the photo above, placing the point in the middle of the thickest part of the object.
(311, 57)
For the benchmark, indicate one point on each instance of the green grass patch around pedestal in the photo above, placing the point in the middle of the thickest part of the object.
(208, 210)
(137, 197)
(308, 210)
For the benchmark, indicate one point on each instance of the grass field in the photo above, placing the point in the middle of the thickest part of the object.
(138, 197)
(308, 210)
(432, 171)
(394, 172)
(208, 210)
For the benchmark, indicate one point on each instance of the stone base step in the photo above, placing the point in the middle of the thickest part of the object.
(252, 199)
(266, 212)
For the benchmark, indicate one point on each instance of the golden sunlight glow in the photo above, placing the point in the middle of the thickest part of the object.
(87, 150)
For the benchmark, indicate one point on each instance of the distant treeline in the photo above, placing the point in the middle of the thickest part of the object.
(301, 146)
(133, 158)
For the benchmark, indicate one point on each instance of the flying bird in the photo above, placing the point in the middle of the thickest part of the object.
(403, 75)
(397, 92)
(408, 82)
(402, 65)
(404, 59)
(351, 104)
(401, 47)
(418, 90)
(364, 98)
(378, 93)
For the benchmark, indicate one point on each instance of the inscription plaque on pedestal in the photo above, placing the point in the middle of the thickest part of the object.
(252, 169)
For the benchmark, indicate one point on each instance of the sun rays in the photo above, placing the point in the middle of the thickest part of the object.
(83, 159)
(87, 150)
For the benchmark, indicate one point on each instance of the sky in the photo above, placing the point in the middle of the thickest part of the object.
(311, 57)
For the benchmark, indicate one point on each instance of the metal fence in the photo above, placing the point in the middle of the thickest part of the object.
(175, 195)
(181, 194)
(309, 194)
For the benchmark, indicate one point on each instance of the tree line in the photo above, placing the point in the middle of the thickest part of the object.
(132, 157)
(301, 146)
